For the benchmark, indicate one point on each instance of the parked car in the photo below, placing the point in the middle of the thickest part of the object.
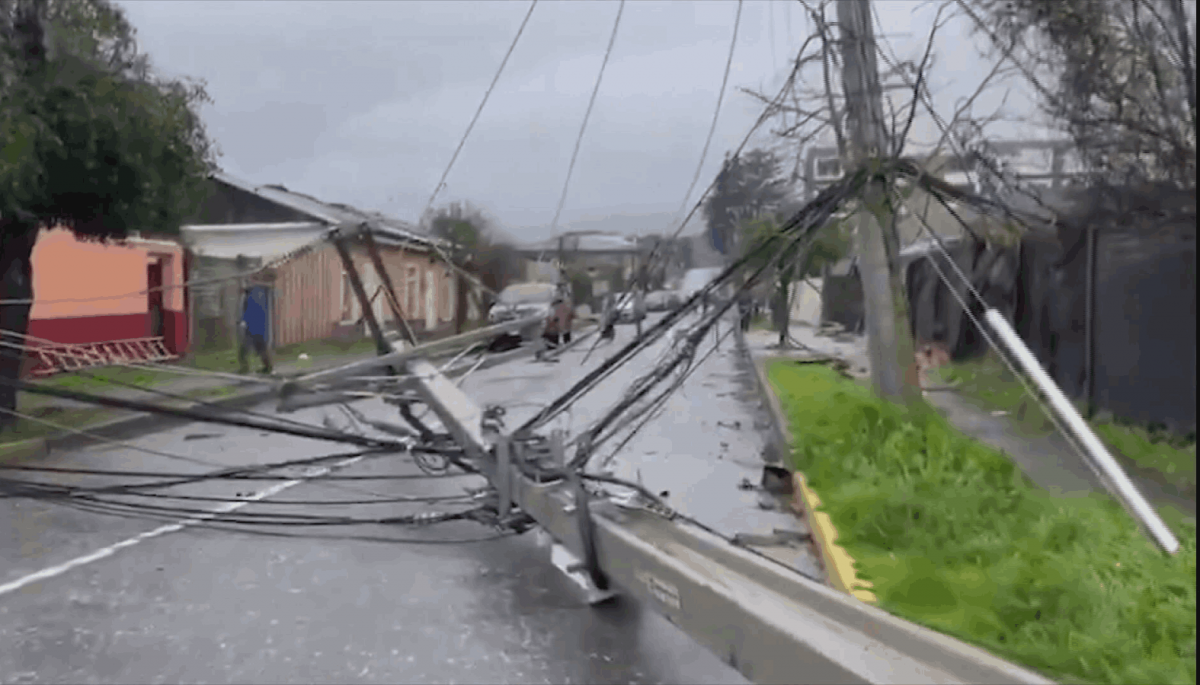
(663, 300)
(630, 308)
(521, 300)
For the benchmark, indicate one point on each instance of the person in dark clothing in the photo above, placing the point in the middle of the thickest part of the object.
(253, 328)
(608, 320)
(745, 308)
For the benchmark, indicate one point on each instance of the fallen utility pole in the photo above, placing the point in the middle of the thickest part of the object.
(889, 338)
(762, 618)
(368, 312)
(390, 290)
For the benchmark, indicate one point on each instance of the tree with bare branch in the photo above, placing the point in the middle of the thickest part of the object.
(1123, 75)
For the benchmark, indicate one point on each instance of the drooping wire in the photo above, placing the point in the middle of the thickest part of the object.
(763, 117)
(133, 405)
(808, 225)
(1001, 353)
(612, 39)
(176, 396)
(822, 206)
(102, 439)
(712, 127)
(479, 111)
(654, 410)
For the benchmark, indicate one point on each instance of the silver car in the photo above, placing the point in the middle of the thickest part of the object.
(521, 300)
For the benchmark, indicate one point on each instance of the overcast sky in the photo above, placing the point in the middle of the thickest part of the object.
(364, 102)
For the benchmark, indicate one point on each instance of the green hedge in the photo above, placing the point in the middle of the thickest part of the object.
(954, 537)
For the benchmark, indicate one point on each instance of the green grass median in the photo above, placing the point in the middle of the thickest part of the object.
(954, 537)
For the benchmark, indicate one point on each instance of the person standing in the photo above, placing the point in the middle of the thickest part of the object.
(253, 328)
(566, 319)
(745, 308)
(608, 320)
(639, 308)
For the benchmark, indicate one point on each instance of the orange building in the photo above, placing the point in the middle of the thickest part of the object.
(88, 292)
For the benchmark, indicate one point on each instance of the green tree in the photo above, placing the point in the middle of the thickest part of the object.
(91, 139)
(476, 246)
(748, 186)
(830, 244)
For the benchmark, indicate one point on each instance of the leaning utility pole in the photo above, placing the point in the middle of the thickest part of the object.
(889, 337)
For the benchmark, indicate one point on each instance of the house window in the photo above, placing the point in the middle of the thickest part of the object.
(412, 289)
(447, 297)
(349, 311)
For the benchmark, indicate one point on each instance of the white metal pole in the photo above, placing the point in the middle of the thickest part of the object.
(1124, 490)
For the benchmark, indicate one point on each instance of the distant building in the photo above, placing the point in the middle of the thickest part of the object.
(1047, 168)
(607, 260)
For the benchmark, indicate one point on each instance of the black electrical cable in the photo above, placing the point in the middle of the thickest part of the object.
(256, 518)
(612, 39)
(251, 472)
(762, 118)
(201, 402)
(394, 499)
(813, 213)
(652, 410)
(805, 222)
(311, 433)
(479, 110)
(205, 519)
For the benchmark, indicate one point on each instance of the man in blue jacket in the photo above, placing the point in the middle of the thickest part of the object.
(254, 327)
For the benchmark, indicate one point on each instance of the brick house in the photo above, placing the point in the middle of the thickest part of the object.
(242, 226)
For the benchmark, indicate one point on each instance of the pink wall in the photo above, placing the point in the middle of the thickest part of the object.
(112, 279)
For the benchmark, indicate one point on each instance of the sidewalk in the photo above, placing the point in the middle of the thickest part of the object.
(1049, 461)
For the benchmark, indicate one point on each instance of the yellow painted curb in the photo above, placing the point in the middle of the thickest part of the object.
(839, 565)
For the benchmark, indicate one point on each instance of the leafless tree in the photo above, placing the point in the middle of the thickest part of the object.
(1118, 75)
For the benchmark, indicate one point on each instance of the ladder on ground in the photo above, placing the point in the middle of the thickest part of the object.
(64, 358)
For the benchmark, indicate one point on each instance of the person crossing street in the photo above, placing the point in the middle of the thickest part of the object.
(253, 327)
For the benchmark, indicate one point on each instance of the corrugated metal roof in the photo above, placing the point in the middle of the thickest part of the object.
(269, 241)
(333, 214)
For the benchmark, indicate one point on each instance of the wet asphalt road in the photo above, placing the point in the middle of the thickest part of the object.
(89, 598)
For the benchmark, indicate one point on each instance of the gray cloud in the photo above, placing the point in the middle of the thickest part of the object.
(364, 102)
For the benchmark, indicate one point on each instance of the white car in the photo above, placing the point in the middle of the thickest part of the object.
(630, 308)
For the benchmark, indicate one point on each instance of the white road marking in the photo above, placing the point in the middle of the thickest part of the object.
(105, 552)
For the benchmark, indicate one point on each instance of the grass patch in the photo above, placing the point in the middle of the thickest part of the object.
(1167, 458)
(761, 322)
(954, 537)
(81, 418)
(226, 360)
(101, 379)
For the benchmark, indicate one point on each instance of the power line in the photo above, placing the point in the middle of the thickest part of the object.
(712, 128)
(587, 115)
(463, 141)
(495, 79)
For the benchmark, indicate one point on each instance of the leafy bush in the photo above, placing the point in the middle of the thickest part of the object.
(954, 537)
